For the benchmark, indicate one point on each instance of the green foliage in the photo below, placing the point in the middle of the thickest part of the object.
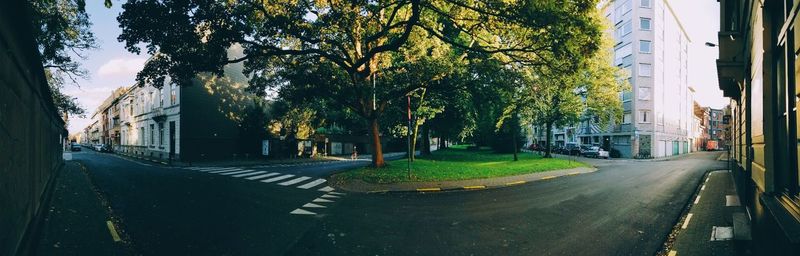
(459, 164)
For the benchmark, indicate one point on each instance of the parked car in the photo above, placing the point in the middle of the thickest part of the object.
(572, 149)
(595, 152)
(75, 146)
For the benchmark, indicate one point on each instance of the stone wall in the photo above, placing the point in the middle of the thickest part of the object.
(30, 128)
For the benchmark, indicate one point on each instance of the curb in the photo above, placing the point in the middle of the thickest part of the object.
(471, 187)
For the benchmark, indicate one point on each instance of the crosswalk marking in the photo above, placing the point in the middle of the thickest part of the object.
(278, 178)
(321, 200)
(219, 170)
(262, 176)
(294, 181)
(312, 184)
(211, 169)
(329, 196)
(326, 189)
(224, 171)
(313, 205)
(248, 174)
(236, 172)
(302, 212)
(335, 193)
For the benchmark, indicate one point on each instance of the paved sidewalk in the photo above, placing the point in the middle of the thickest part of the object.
(76, 220)
(716, 223)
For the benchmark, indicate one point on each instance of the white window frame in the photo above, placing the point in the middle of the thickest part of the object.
(641, 69)
(646, 3)
(649, 48)
(649, 24)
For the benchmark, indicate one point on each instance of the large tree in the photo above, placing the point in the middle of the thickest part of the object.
(354, 36)
(62, 31)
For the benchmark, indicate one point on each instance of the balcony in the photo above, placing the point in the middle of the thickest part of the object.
(730, 65)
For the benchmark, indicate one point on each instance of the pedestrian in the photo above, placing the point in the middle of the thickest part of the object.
(354, 156)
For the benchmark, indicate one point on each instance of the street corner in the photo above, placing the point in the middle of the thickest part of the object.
(423, 187)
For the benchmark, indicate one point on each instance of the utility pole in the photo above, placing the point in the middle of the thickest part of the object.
(408, 141)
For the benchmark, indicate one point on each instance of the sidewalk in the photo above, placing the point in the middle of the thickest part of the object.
(76, 220)
(259, 162)
(716, 223)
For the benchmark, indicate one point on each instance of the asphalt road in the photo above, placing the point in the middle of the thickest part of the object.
(625, 208)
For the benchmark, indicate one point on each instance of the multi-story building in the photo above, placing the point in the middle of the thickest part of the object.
(715, 126)
(758, 70)
(702, 116)
(651, 44)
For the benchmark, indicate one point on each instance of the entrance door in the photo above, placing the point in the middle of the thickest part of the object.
(171, 140)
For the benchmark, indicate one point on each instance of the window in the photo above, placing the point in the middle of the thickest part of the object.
(645, 3)
(626, 118)
(141, 136)
(644, 116)
(645, 46)
(622, 52)
(644, 24)
(161, 97)
(645, 69)
(161, 134)
(173, 94)
(152, 101)
(644, 93)
(152, 137)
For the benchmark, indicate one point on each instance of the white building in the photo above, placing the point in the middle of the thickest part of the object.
(651, 44)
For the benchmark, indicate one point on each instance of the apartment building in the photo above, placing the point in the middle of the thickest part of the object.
(758, 70)
(652, 46)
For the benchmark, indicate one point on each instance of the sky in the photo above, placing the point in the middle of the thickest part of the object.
(111, 66)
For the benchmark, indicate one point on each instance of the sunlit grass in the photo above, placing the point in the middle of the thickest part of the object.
(458, 163)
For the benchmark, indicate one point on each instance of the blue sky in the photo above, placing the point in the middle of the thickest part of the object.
(111, 66)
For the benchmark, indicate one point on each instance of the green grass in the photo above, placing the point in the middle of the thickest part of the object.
(458, 163)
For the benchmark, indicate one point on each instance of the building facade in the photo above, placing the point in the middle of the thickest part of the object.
(758, 71)
(652, 46)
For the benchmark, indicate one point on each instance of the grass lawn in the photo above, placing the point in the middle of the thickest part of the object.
(458, 163)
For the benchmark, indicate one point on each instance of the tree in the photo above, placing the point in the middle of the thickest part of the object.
(62, 28)
(356, 37)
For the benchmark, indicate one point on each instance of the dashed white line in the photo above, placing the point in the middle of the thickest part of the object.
(686, 222)
(703, 187)
(263, 176)
(326, 189)
(248, 174)
(302, 212)
(278, 178)
(294, 181)
(321, 200)
(697, 199)
(237, 172)
(312, 184)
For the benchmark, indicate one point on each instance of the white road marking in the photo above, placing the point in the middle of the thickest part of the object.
(696, 200)
(294, 181)
(721, 233)
(248, 174)
(703, 187)
(326, 189)
(302, 212)
(208, 169)
(219, 170)
(278, 178)
(237, 172)
(686, 222)
(321, 200)
(335, 193)
(329, 196)
(224, 171)
(312, 184)
(732, 200)
(312, 205)
(263, 176)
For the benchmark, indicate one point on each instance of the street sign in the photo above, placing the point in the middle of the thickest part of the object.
(265, 147)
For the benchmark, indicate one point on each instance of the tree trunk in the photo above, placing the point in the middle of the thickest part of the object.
(377, 151)
(514, 143)
(426, 141)
(549, 132)
(414, 141)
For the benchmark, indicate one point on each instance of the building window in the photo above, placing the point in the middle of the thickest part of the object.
(646, 3)
(626, 118)
(161, 134)
(173, 97)
(161, 97)
(152, 135)
(152, 101)
(645, 46)
(141, 136)
(644, 116)
(644, 93)
(644, 24)
(645, 69)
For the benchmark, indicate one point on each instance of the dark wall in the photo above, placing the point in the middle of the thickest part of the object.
(30, 128)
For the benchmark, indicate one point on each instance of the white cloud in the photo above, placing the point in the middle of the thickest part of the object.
(117, 67)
